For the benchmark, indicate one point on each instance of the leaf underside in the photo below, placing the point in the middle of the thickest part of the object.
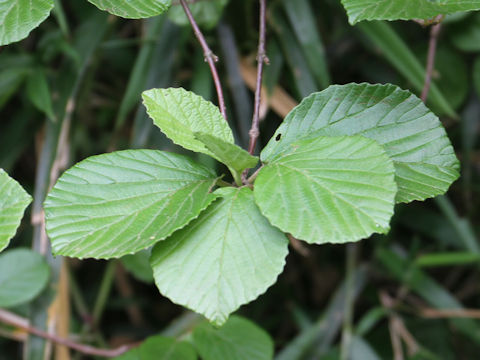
(133, 9)
(412, 136)
(225, 258)
(180, 114)
(238, 339)
(123, 202)
(359, 10)
(13, 202)
(23, 275)
(19, 17)
(329, 189)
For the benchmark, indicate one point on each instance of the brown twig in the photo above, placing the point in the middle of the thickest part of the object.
(21, 323)
(450, 313)
(279, 100)
(398, 330)
(432, 49)
(298, 246)
(210, 57)
(261, 59)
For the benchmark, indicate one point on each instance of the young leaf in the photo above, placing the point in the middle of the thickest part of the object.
(230, 154)
(329, 189)
(225, 258)
(161, 348)
(238, 339)
(205, 13)
(133, 9)
(23, 275)
(120, 203)
(413, 137)
(13, 202)
(359, 10)
(180, 113)
(19, 17)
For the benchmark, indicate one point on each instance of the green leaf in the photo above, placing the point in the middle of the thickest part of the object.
(10, 81)
(205, 13)
(38, 92)
(413, 137)
(161, 348)
(23, 275)
(230, 154)
(139, 265)
(329, 189)
(123, 202)
(359, 10)
(19, 17)
(222, 260)
(238, 339)
(13, 202)
(465, 35)
(180, 113)
(133, 9)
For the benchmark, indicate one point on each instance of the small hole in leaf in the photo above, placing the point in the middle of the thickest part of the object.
(278, 137)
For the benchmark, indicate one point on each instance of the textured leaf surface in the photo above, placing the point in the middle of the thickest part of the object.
(225, 258)
(329, 189)
(180, 113)
(19, 17)
(413, 137)
(238, 339)
(23, 275)
(120, 203)
(205, 13)
(13, 202)
(133, 9)
(230, 154)
(161, 348)
(359, 10)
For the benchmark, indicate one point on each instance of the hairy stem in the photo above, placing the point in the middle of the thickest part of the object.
(432, 49)
(21, 323)
(210, 57)
(261, 59)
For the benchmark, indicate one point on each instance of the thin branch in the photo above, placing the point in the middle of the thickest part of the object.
(449, 313)
(21, 323)
(252, 178)
(432, 49)
(261, 59)
(210, 57)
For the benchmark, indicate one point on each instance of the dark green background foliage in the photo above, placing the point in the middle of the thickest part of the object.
(89, 68)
